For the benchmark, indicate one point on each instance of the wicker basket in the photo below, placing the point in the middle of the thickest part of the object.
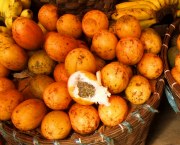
(173, 88)
(132, 131)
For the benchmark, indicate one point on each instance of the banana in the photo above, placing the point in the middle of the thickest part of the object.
(162, 3)
(28, 13)
(154, 2)
(147, 23)
(136, 4)
(140, 14)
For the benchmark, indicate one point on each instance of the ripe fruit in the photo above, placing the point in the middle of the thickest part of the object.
(57, 46)
(138, 90)
(38, 83)
(115, 77)
(48, 16)
(177, 62)
(80, 59)
(175, 74)
(104, 44)
(129, 50)
(114, 113)
(27, 33)
(69, 24)
(85, 89)
(93, 21)
(4, 72)
(6, 84)
(28, 114)
(41, 63)
(127, 26)
(151, 40)
(56, 96)
(84, 118)
(55, 125)
(150, 66)
(9, 99)
(60, 73)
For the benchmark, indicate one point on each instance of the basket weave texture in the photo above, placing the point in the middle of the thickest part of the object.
(173, 85)
(132, 131)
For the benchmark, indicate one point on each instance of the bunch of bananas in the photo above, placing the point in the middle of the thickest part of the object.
(146, 11)
(11, 9)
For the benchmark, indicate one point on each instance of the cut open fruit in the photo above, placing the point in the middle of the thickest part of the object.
(85, 88)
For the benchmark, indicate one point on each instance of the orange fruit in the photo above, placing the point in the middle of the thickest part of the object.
(60, 73)
(58, 46)
(138, 90)
(56, 125)
(6, 83)
(115, 113)
(93, 21)
(4, 72)
(69, 24)
(129, 50)
(48, 16)
(127, 26)
(84, 118)
(80, 59)
(56, 96)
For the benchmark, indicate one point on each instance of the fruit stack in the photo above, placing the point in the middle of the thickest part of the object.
(70, 80)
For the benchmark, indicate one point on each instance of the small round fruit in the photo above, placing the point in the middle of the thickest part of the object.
(127, 26)
(48, 16)
(28, 114)
(171, 55)
(104, 44)
(6, 84)
(178, 42)
(115, 77)
(9, 99)
(150, 66)
(80, 59)
(177, 62)
(129, 50)
(85, 89)
(84, 118)
(138, 90)
(69, 24)
(27, 33)
(114, 113)
(60, 73)
(14, 57)
(58, 46)
(41, 63)
(151, 40)
(4, 72)
(175, 74)
(93, 21)
(56, 125)
(38, 83)
(56, 96)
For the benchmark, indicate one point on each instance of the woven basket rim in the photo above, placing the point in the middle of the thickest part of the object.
(133, 121)
(174, 86)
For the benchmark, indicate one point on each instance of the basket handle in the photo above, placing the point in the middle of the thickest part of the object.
(171, 100)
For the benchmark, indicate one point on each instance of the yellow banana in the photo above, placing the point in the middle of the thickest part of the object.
(28, 13)
(147, 23)
(154, 2)
(136, 4)
(162, 3)
(140, 14)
